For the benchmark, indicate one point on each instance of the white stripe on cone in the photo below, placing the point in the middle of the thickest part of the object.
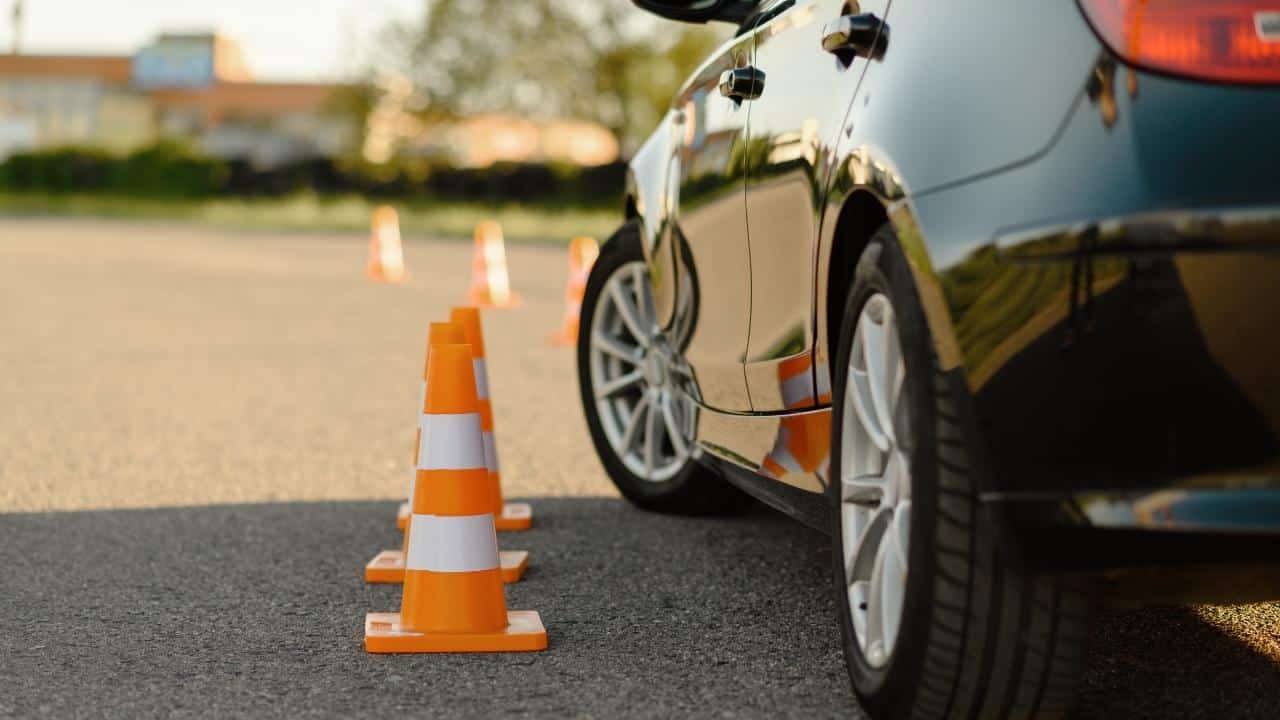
(449, 442)
(490, 453)
(482, 378)
(781, 452)
(787, 461)
(824, 380)
(797, 389)
(466, 543)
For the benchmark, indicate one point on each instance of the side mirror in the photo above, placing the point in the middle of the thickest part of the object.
(699, 11)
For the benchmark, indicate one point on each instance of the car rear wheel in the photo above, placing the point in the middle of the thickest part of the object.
(640, 422)
(936, 621)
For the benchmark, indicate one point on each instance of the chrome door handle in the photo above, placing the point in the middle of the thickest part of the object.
(744, 83)
(863, 35)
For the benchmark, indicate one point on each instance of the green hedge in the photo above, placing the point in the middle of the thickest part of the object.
(162, 170)
(169, 170)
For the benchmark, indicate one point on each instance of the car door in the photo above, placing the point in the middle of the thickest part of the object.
(794, 125)
(701, 267)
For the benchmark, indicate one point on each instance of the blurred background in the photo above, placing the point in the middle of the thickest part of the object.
(226, 407)
(295, 114)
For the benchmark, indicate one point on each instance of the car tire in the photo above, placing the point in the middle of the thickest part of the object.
(976, 638)
(691, 488)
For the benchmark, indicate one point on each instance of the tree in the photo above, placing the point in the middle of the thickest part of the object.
(604, 61)
(635, 80)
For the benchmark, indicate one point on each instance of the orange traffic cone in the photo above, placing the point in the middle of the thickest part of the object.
(387, 567)
(445, 333)
(583, 252)
(453, 598)
(803, 442)
(490, 284)
(508, 516)
(386, 257)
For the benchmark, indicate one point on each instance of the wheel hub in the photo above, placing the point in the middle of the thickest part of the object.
(875, 482)
(648, 424)
(655, 369)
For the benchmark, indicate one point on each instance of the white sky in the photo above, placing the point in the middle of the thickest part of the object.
(281, 39)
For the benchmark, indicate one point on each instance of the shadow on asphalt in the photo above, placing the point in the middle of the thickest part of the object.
(1169, 662)
(258, 610)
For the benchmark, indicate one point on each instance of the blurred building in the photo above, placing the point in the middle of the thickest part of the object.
(197, 87)
(483, 140)
(194, 87)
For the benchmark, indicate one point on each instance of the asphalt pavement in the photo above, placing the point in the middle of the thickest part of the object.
(163, 364)
(257, 611)
(203, 434)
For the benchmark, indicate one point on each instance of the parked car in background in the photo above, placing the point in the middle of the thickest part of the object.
(987, 290)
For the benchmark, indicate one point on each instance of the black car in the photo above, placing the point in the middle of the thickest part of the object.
(987, 289)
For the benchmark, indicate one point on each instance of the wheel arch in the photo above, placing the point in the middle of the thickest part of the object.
(867, 192)
(860, 215)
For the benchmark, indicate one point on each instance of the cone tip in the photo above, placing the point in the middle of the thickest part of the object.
(487, 230)
(451, 384)
(468, 319)
(446, 333)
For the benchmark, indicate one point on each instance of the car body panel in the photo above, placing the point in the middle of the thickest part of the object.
(921, 122)
(1096, 249)
(1108, 342)
(793, 129)
(972, 87)
(702, 244)
(790, 448)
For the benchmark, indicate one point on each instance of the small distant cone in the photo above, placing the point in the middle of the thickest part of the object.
(387, 567)
(386, 257)
(583, 252)
(508, 516)
(490, 284)
(453, 599)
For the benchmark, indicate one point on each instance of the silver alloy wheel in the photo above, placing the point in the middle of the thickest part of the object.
(875, 480)
(648, 421)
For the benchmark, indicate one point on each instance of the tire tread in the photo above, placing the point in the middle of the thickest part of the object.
(996, 642)
(1022, 636)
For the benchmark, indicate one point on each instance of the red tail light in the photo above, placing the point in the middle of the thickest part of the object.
(1225, 40)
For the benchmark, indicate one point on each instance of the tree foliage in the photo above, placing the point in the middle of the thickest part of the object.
(605, 61)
